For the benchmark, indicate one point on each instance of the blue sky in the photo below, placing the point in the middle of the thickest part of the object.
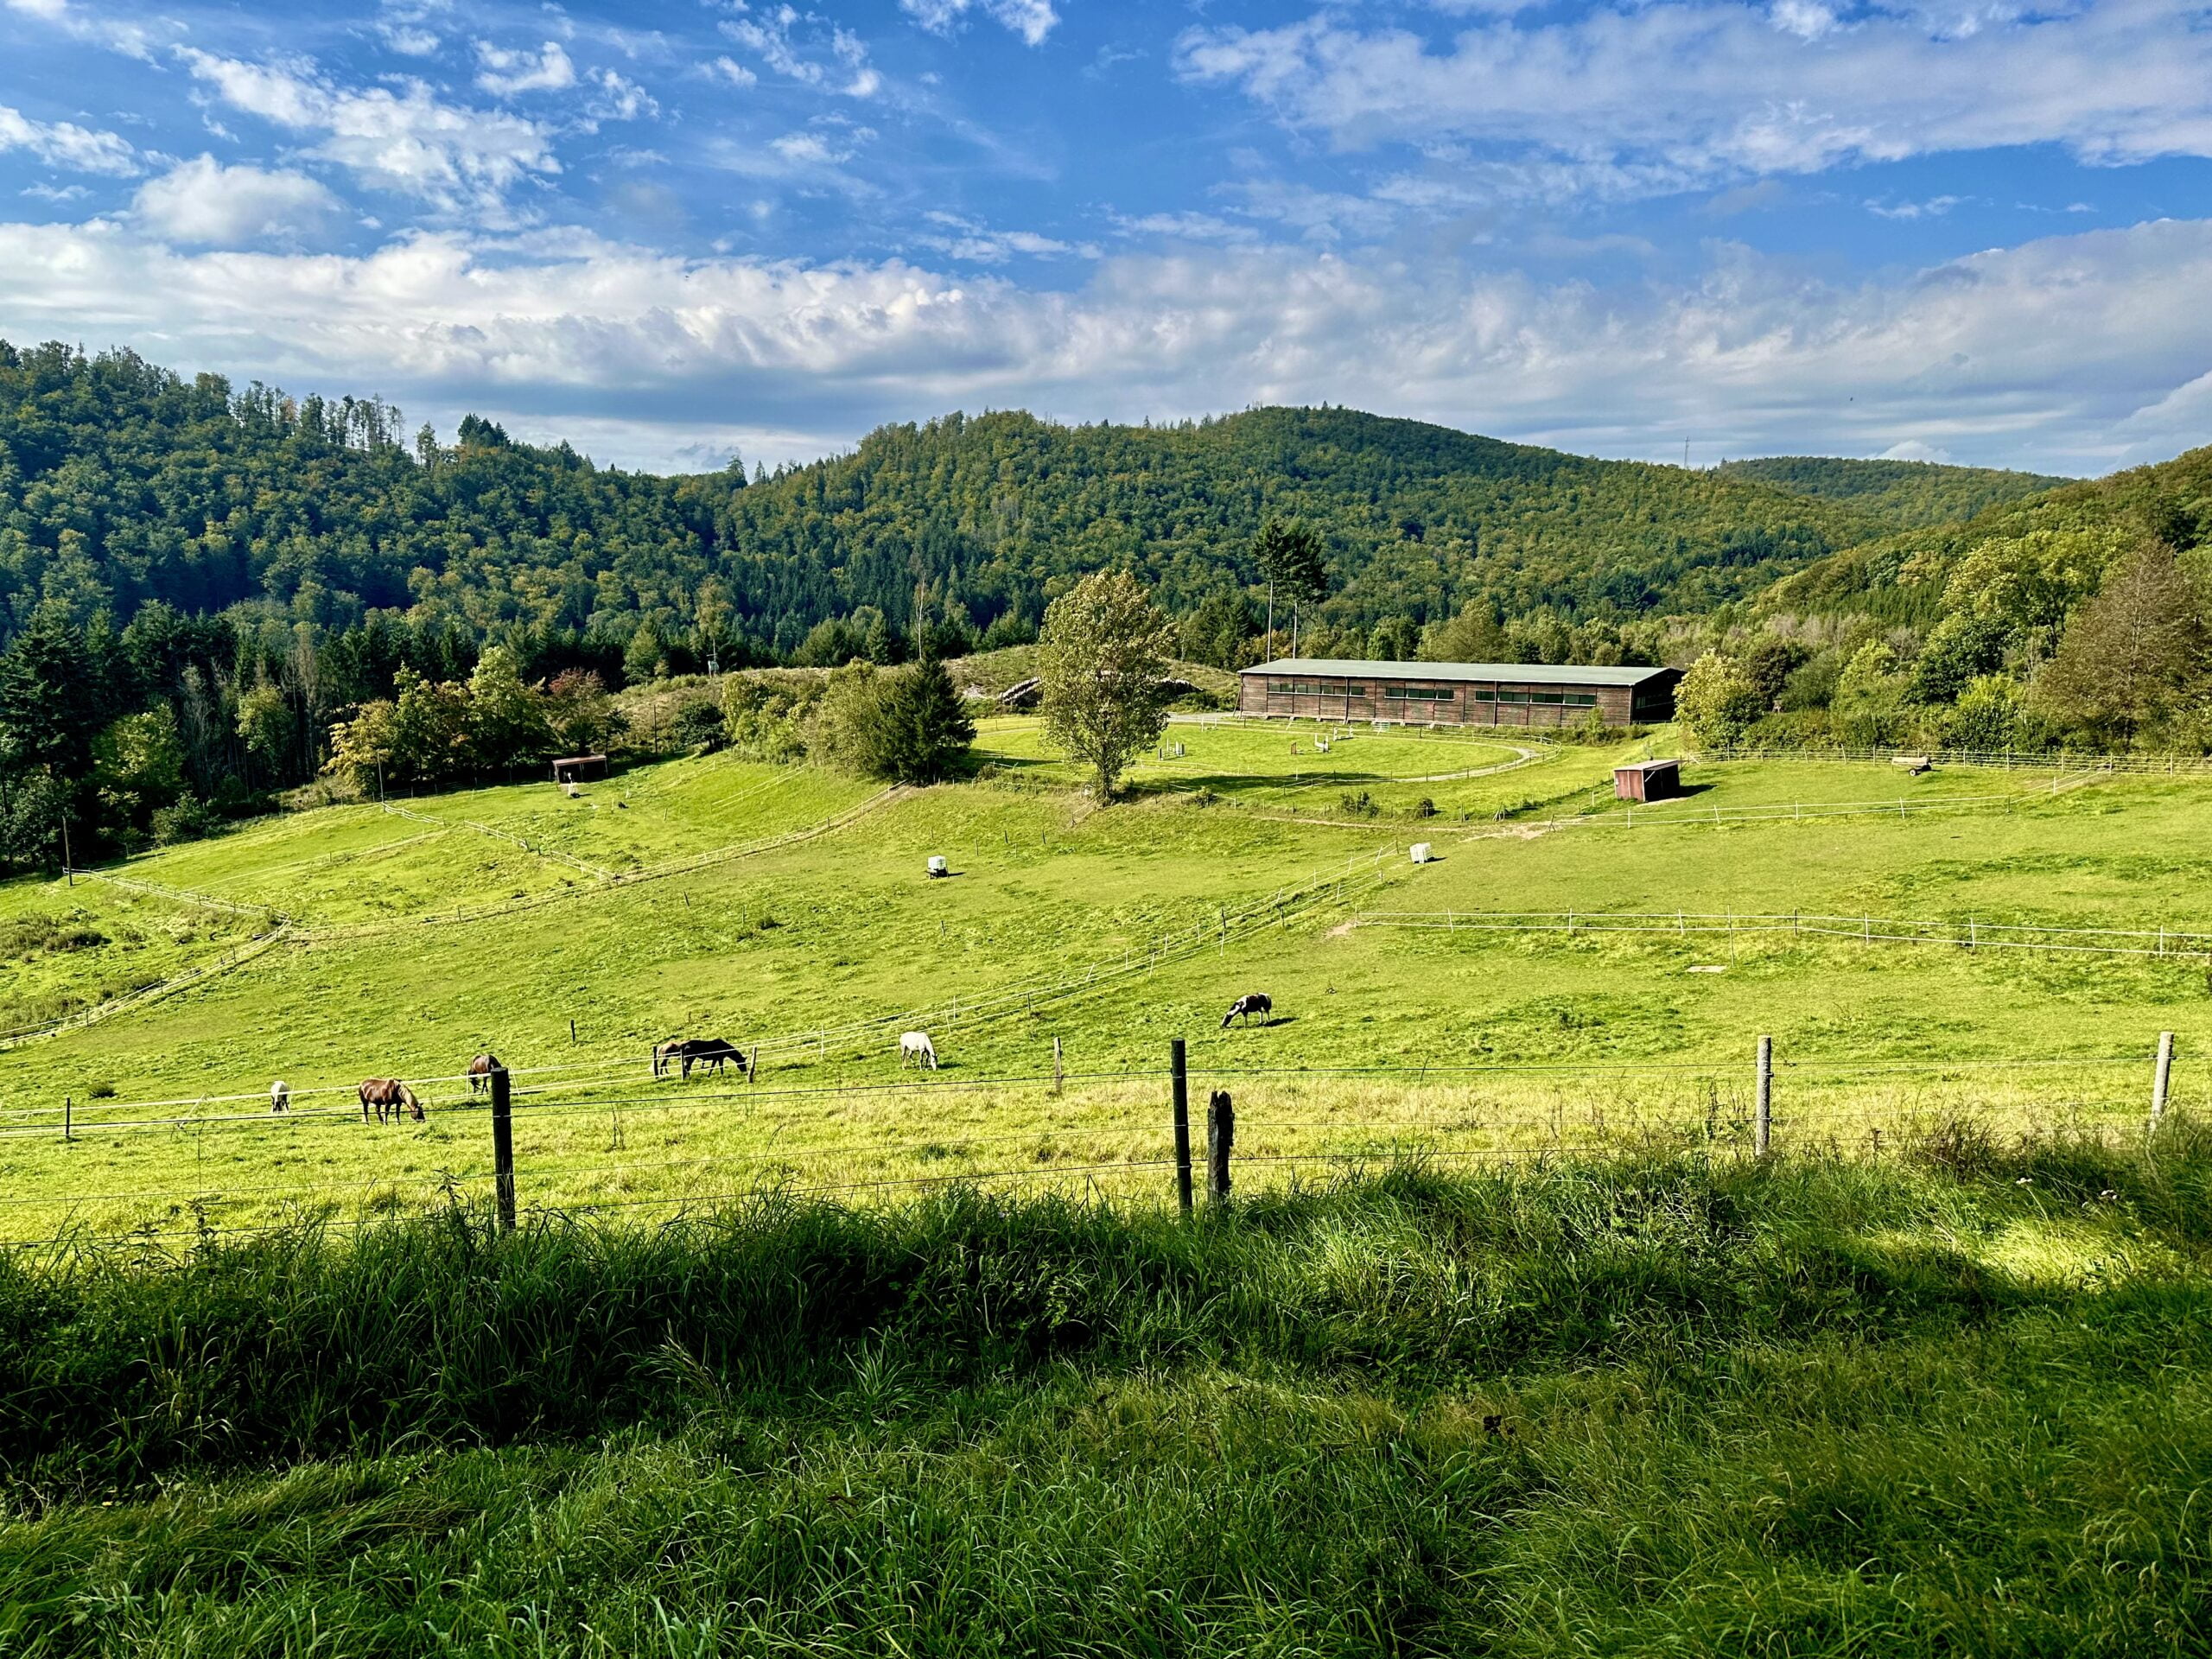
(1978, 232)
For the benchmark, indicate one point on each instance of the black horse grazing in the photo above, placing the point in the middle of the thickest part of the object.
(1253, 1002)
(481, 1069)
(712, 1052)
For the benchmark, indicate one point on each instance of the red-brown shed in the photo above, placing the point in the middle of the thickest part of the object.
(1648, 780)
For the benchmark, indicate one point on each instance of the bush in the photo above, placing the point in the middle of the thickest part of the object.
(1360, 805)
(188, 818)
(699, 725)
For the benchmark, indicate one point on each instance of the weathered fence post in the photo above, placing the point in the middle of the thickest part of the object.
(503, 1149)
(1059, 1074)
(1221, 1137)
(68, 1106)
(2159, 1076)
(1763, 1118)
(1179, 1074)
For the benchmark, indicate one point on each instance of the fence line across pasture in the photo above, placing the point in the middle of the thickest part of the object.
(2006, 760)
(1973, 933)
(1531, 1134)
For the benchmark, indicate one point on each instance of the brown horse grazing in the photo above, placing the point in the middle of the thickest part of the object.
(390, 1096)
(667, 1054)
(481, 1069)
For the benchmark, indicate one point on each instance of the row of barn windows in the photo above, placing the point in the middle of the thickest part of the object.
(1430, 693)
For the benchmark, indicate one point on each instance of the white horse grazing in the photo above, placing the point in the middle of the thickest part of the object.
(280, 1095)
(917, 1045)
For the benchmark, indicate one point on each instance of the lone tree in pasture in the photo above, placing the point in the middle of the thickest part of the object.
(1101, 655)
(1290, 558)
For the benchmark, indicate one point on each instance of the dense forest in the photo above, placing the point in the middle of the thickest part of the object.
(204, 588)
(2080, 617)
(1904, 494)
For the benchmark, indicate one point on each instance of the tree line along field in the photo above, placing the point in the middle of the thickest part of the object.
(1112, 931)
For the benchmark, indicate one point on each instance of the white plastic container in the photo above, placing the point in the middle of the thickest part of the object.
(1420, 852)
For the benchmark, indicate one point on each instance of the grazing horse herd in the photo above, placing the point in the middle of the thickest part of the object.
(390, 1097)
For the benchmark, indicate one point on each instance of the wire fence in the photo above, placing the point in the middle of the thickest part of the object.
(1117, 1134)
(1970, 933)
(2064, 761)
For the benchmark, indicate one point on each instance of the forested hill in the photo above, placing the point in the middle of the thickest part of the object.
(1904, 494)
(121, 484)
(1418, 520)
(1904, 577)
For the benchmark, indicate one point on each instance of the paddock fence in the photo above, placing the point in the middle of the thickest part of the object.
(555, 1143)
(1969, 933)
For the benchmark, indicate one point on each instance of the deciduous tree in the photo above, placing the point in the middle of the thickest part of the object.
(1102, 657)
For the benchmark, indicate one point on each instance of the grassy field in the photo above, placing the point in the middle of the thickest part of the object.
(1507, 1346)
(786, 908)
(1950, 1405)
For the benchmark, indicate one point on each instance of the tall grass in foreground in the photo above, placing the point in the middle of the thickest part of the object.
(1954, 1404)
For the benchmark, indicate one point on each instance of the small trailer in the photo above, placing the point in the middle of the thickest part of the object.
(579, 768)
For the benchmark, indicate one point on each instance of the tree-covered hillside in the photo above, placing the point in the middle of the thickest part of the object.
(2082, 615)
(1904, 494)
(1417, 520)
(121, 484)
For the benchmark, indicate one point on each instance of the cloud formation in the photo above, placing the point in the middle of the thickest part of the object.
(1033, 19)
(65, 144)
(1693, 94)
(405, 140)
(2063, 351)
(203, 202)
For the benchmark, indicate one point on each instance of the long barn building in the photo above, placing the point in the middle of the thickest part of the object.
(1457, 693)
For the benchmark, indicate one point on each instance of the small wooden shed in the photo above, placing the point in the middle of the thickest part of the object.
(579, 768)
(1648, 780)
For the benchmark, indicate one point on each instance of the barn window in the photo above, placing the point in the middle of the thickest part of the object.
(1581, 700)
(1506, 694)
(1485, 694)
(1548, 697)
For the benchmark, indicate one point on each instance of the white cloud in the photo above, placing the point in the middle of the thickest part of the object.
(55, 192)
(1033, 19)
(1698, 93)
(130, 39)
(204, 201)
(769, 37)
(508, 74)
(1914, 449)
(1934, 207)
(65, 144)
(403, 140)
(977, 244)
(821, 146)
(613, 98)
(2074, 353)
(731, 70)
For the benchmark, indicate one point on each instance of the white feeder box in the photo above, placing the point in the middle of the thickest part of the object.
(1420, 852)
(938, 865)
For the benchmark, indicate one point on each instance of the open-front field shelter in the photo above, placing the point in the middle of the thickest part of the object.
(1457, 693)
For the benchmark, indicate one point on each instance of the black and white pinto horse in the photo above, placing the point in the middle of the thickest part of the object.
(1254, 1002)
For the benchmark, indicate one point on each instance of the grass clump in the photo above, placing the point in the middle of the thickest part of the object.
(1661, 1404)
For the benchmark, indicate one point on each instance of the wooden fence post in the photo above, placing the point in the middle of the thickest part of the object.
(1763, 1121)
(503, 1149)
(68, 1107)
(2159, 1076)
(1221, 1137)
(1059, 1074)
(1179, 1075)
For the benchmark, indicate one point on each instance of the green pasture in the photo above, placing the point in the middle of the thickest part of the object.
(1111, 931)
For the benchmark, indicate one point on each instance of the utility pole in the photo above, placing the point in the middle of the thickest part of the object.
(68, 864)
